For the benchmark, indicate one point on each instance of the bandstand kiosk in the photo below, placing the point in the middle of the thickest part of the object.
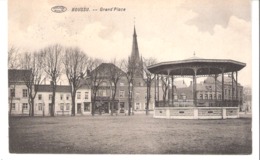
(193, 68)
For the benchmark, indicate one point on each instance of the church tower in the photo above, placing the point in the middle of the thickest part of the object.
(135, 60)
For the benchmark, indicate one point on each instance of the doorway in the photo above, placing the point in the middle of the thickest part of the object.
(79, 108)
(122, 107)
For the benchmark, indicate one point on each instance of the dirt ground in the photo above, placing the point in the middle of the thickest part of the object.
(137, 134)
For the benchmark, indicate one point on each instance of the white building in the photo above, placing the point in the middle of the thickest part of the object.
(18, 93)
(63, 101)
(18, 97)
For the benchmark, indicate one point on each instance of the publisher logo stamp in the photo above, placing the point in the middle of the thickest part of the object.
(58, 9)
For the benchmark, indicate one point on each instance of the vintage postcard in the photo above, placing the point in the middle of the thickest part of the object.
(169, 77)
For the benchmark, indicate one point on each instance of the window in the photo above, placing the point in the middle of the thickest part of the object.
(137, 95)
(61, 97)
(24, 92)
(201, 96)
(175, 97)
(12, 92)
(67, 97)
(219, 96)
(86, 95)
(25, 106)
(121, 94)
(40, 106)
(104, 93)
(39, 97)
(86, 107)
(67, 106)
(50, 96)
(225, 91)
(62, 106)
(229, 93)
(214, 96)
(210, 88)
(210, 96)
(183, 96)
(137, 105)
(78, 95)
(13, 106)
(206, 96)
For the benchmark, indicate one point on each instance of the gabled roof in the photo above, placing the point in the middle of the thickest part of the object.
(185, 91)
(227, 80)
(84, 84)
(104, 69)
(180, 84)
(201, 87)
(48, 88)
(18, 75)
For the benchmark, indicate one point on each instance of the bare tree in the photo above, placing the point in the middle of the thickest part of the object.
(34, 63)
(76, 64)
(13, 58)
(165, 86)
(130, 70)
(115, 73)
(96, 78)
(148, 78)
(52, 56)
(11, 96)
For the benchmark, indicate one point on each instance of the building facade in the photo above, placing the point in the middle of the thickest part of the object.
(63, 101)
(18, 97)
(18, 92)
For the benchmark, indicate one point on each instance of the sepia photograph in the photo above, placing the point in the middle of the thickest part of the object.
(147, 77)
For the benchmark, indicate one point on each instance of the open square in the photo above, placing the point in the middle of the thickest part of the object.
(138, 134)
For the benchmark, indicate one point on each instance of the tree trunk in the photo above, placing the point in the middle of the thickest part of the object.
(113, 101)
(94, 104)
(112, 107)
(73, 96)
(147, 97)
(32, 105)
(53, 103)
(10, 111)
(129, 100)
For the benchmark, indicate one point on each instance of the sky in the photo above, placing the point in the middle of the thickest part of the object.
(167, 30)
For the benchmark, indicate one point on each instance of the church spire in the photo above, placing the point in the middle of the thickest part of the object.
(135, 50)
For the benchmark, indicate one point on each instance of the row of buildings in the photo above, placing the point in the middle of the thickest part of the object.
(182, 93)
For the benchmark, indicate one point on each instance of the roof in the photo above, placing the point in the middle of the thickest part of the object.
(185, 91)
(206, 66)
(59, 88)
(84, 84)
(227, 80)
(105, 68)
(201, 87)
(18, 75)
(180, 84)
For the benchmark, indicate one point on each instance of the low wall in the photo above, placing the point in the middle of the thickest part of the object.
(196, 112)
